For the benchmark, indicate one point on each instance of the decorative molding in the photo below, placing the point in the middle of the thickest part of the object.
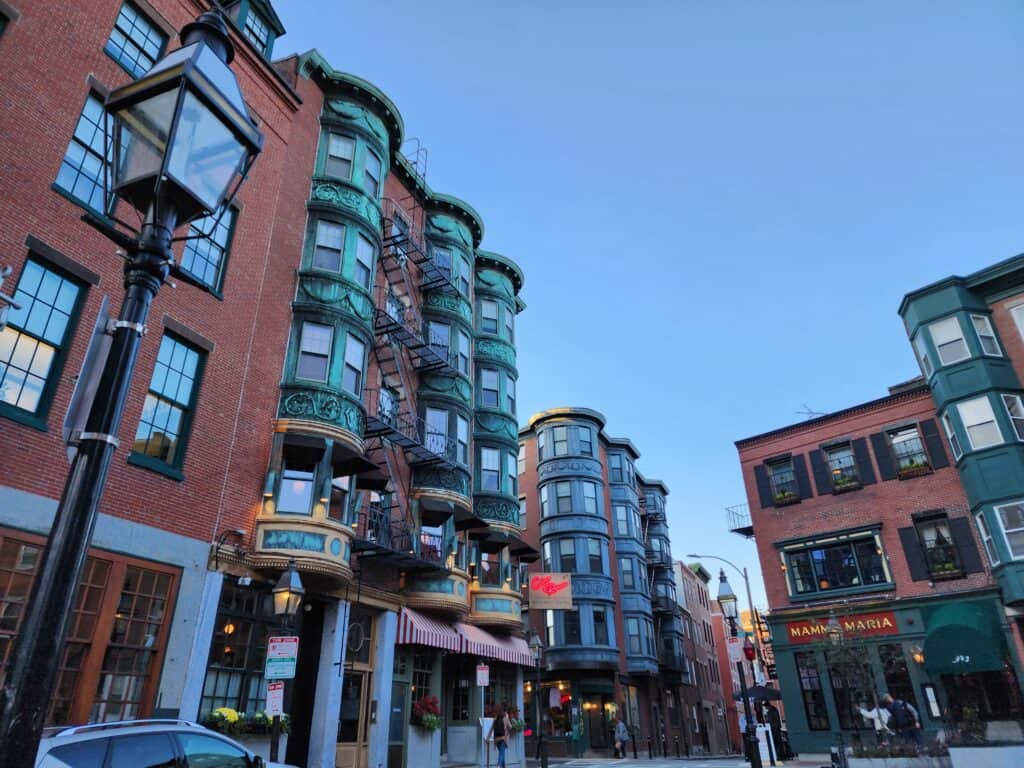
(337, 295)
(454, 304)
(348, 197)
(325, 406)
(456, 480)
(354, 113)
(453, 386)
(279, 538)
(436, 586)
(498, 350)
(583, 586)
(570, 467)
(494, 282)
(449, 227)
(498, 425)
(497, 510)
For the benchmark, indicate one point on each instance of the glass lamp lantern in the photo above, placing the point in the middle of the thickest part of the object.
(727, 598)
(288, 592)
(834, 629)
(183, 138)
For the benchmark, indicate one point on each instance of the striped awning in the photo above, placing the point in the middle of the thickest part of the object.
(416, 629)
(480, 642)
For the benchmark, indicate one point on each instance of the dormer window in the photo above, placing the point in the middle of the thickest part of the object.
(257, 31)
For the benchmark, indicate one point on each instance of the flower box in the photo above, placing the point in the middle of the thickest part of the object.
(909, 472)
(785, 499)
(987, 755)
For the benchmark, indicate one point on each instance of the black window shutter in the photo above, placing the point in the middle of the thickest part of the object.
(803, 482)
(864, 468)
(933, 442)
(819, 469)
(764, 486)
(883, 456)
(914, 553)
(970, 558)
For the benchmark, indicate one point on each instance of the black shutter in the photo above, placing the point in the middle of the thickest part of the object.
(883, 456)
(864, 468)
(933, 442)
(803, 482)
(764, 486)
(970, 558)
(914, 553)
(819, 468)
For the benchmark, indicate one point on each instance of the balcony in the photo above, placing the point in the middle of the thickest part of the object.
(382, 535)
(395, 317)
(739, 520)
(658, 557)
(496, 605)
(664, 604)
(672, 660)
(390, 418)
(321, 547)
(446, 594)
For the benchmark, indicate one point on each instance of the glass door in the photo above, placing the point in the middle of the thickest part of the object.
(396, 724)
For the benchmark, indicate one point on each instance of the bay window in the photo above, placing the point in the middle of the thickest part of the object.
(854, 562)
(948, 337)
(986, 336)
(489, 469)
(979, 423)
(1011, 517)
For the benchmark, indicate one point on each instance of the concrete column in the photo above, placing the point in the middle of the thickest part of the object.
(383, 668)
(327, 698)
(199, 652)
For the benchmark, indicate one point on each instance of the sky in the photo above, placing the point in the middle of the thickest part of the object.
(717, 205)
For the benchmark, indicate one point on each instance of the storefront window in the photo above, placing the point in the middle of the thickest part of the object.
(852, 682)
(556, 709)
(422, 674)
(810, 688)
(460, 697)
(897, 676)
(501, 691)
(836, 566)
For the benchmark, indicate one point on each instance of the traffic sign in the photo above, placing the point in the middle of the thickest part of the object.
(735, 646)
(483, 675)
(281, 655)
(275, 698)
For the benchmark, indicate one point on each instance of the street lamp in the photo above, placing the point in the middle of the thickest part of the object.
(288, 593)
(183, 142)
(727, 601)
(834, 630)
(537, 649)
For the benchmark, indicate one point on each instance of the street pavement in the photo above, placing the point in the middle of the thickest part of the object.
(658, 762)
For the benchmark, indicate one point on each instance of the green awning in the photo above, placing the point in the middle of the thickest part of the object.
(964, 637)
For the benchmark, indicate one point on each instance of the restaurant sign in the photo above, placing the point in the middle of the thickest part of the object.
(856, 626)
(551, 591)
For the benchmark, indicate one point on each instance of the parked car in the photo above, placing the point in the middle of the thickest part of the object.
(143, 744)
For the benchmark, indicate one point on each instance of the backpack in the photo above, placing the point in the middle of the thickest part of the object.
(901, 717)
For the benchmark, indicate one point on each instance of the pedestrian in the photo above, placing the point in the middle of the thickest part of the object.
(903, 720)
(878, 717)
(774, 721)
(621, 736)
(501, 727)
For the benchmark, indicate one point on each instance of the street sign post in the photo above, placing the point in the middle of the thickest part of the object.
(282, 653)
(483, 675)
(275, 698)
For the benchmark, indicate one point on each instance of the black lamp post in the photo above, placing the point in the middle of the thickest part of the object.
(183, 141)
(727, 601)
(537, 648)
(834, 630)
(288, 594)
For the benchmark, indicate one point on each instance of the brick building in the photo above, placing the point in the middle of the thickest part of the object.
(860, 514)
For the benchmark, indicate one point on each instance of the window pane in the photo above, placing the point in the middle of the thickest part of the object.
(810, 686)
(985, 334)
(329, 244)
(203, 750)
(949, 340)
(169, 401)
(257, 31)
(314, 351)
(373, 168)
(340, 151)
(204, 256)
(152, 750)
(489, 316)
(1012, 518)
(364, 261)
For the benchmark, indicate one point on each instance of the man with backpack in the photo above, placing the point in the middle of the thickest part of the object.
(903, 720)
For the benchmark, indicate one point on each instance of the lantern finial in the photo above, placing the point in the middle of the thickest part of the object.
(210, 28)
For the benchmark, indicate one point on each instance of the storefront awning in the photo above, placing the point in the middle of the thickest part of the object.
(964, 637)
(416, 629)
(480, 642)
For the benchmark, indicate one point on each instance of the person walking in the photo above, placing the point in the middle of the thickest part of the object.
(501, 729)
(903, 720)
(621, 736)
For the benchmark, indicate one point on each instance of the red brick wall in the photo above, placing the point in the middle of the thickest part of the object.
(890, 503)
(42, 96)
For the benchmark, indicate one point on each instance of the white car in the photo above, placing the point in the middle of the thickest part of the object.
(143, 744)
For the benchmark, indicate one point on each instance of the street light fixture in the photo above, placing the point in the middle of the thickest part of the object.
(183, 142)
(727, 601)
(288, 594)
(834, 629)
(537, 649)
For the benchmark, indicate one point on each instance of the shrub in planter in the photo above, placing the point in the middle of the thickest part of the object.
(225, 720)
(426, 713)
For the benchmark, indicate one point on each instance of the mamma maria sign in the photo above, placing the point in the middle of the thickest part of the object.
(859, 625)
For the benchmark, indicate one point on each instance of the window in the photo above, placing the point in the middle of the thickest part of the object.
(200, 750)
(922, 355)
(549, 625)
(1011, 516)
(585, 439)
(330, 240)
(463, 359)
(512, 479)
(783, 480)
(77, 754)
(633, 636)
(463, 276)
(852, 680)
(541, 443)
(810, 687)
(1017, 313)
(621, 520)
(626, 572)
(940, 553)
(954, 441)
(81, 171)
(340, 152)
(615, 468)
(1015, 410)
(510, 393)
(896, 673)
(596, 562)
(589, 497)
(440, 338)
(489, 387)
(571, 623)
(257, 31)
(510, 333)
(560, 440)
(842, 467)
(489, 480)
(151, 749)
(563, 497)
(373, 168)
(521, 458)
(443, 261)
(986, 336)
(296, 493)
(948, 337)
(986, 539)
(462, 437)
(544, 509)
(437, 431)
(204, 257)
(567, 555)
(364, 261)
(980, 423)
(35, 337)
(852, 563)
(490, 569)
(600, 626)
(135, 42)
(908, 449)
(489, 316)
(169, 403)
(352, 376)
(546, 550)
(314, 351)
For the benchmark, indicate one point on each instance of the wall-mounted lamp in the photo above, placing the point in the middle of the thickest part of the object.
(917, 654)
(269, 483)
(220, 542)
(325, 491)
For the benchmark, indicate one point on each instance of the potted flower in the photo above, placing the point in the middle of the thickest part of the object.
(782, 498)
(426, 713)
(425, 735)
(225, 720)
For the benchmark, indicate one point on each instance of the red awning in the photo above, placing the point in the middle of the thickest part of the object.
(480, 642)
(416, 629)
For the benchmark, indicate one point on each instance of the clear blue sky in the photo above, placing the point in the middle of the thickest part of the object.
(717, 205)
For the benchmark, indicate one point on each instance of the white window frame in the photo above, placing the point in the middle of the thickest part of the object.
(521, 459)
(510, 330)
(542, 440)
(463, 276)
(317, 244)
(434, 340)
(589, 485)
(372, 159)
(939, 329)
(951, 436)
(510, 393)
(921, 349)
(490, 461)
(1011, 402)
(986, 332)
(545, 495)
(984, 407)
(364, 259)
(432, 435)
(1007, 531)
(346, 143)
(1017, 313)
(352, 343)
(462, 440)
(303, 349)
(485, 305)
(463, 358)
(511, 474)
(987, 540)
(485, 376)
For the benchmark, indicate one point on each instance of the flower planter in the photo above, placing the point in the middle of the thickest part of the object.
(424, 747)
(899, 762)
(259, 744)
(909, 472)
(988, 755)
(785, 501)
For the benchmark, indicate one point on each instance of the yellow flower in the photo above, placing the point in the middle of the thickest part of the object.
(227, 713)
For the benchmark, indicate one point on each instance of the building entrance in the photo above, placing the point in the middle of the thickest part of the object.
(354, 717)
(595, 709)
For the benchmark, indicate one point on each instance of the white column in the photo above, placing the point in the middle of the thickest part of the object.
(517, 753)
(323, 736)
(383, 667)
(199, 653)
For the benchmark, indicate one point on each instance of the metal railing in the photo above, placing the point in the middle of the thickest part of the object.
(382, 529)
(664, 604)
(388, 417)
(739, 519)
